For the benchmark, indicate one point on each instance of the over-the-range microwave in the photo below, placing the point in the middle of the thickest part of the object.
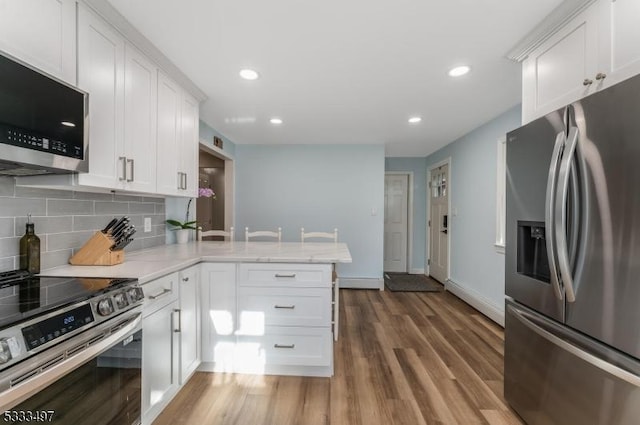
(44, 125)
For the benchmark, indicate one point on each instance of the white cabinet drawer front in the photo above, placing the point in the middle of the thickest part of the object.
(297, 275)
(287, 346)
(159, 292)
(260, 307)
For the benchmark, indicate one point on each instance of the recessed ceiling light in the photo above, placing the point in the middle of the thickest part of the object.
(459, 71)
(276, 121)
(67, 124)
(249, 74)
(414, 120)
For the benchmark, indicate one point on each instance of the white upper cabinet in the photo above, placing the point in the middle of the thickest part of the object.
(168, 177)
(177, 140)
(189, 144)
(620, 39)
(41, 33)
(140, 109)
(597, 48)
(562, 69)
(143, 126)
(101, 74)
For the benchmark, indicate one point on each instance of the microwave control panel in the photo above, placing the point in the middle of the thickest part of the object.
(24, 139)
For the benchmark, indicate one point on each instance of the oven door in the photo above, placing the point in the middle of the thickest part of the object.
(93, 378)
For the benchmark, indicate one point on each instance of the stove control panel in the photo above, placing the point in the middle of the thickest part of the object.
(32, 336)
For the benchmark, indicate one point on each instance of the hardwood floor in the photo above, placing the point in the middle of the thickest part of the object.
(402, 358)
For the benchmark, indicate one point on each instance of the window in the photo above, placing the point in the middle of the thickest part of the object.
(501, 206)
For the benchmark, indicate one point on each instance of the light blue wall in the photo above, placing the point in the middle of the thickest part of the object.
(318, 188)
(206, 136)
(475, 264)
(418, 168)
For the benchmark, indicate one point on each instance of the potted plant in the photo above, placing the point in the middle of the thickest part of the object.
(183, 228)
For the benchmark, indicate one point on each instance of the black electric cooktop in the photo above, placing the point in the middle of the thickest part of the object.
(23, 295)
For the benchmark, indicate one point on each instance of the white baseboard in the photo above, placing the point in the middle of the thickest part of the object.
(362, 283)
(477, 301)
(416, 271)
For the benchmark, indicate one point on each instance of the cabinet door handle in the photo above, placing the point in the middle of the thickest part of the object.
(178, 313)
(179, 180)
(290, 346)
(291, 275)
(185, 279)
(159, 295)
(587, 82)
(185, 180)
(287, 307)
(130, 161)
(123, 159)
(601, 76)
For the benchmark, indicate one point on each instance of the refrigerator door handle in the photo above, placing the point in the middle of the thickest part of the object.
(560, 215)
(595, 361)
(549, 209)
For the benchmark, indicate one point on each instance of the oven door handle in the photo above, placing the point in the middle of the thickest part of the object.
(40, 379)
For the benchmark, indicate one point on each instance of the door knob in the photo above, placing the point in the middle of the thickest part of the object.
(587, 82)
(601, 76)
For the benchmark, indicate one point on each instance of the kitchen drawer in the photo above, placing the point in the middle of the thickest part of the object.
(159, 293)
(260, 307)
(288, 346)
(281, 275)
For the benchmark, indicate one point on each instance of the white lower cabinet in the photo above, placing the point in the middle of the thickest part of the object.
(267, 318)
(189, 322)
(218, 302)
(160, 344)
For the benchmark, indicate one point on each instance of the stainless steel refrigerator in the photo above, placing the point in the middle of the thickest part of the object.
(572, 266)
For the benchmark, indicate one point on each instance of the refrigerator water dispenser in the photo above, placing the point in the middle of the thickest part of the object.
(532, 258)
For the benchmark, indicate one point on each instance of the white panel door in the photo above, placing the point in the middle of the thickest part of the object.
(140, 108)
(439, 223)
(41, 33)
(395, 222)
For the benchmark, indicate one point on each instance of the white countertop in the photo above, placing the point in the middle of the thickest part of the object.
(155, 262)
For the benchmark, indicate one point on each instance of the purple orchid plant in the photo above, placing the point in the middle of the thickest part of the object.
(203, 192)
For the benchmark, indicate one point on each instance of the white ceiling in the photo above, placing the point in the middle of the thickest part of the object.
(344, 71)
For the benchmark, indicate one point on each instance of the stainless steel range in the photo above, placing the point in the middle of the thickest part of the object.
(70, 349)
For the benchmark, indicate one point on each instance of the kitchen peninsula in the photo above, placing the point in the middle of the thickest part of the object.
(242, 307)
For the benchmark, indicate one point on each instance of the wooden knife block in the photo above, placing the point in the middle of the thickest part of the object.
(96, 252)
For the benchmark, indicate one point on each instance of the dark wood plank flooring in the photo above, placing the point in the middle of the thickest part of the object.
(405, 358)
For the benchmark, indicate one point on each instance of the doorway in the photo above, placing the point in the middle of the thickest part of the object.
(398, 187)
(216, 170)
(439, 223)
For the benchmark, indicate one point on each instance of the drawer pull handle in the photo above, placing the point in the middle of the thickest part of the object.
(284, 346)
(288, 307)
(161, 294)
(292, 275)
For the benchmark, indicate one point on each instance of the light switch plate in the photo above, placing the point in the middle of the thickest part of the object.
(147, 224)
